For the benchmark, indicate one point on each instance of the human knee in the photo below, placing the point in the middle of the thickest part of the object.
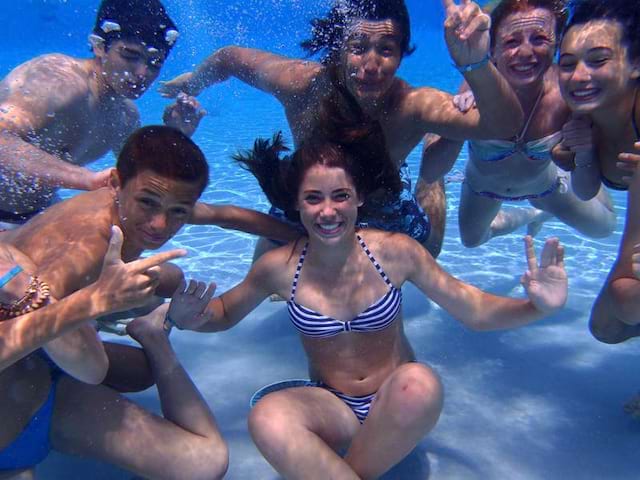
(416, 393)
(600, 229)
(215, 460)
(472, 239)
(203, 459)
(267, 421)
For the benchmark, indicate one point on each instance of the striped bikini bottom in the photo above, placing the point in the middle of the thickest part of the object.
(359, 405)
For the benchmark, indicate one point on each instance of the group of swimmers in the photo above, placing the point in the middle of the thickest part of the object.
(345, 233)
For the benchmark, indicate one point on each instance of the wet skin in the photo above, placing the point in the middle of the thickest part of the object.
(598, 79)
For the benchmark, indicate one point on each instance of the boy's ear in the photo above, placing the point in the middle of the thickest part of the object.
(114, 180)
(97, 45)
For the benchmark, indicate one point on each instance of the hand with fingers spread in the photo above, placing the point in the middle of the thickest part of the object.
(185, 114)
(466, 32)
(628, 162)
(180, 84)
(188, 309)
(545, 284)
(122, 286)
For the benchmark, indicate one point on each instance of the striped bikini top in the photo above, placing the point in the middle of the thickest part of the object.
(377, 317)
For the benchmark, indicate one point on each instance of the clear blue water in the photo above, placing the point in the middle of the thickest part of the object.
(542, 402)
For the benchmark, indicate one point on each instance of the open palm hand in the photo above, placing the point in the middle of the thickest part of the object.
(545, 283)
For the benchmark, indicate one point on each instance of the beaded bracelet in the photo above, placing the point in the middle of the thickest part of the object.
(473, 66)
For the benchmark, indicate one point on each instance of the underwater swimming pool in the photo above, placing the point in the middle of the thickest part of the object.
(541, 402)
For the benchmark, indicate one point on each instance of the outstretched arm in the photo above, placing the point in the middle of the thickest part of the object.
(280, 76)
(545, 284)
(192, 306)
(498, 113)
(243, 219)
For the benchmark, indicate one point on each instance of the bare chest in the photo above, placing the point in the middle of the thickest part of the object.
(81, 135)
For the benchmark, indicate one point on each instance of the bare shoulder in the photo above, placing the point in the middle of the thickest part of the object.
(276, 267)
(68, 241)
(42, 86)
(84, 218)
(396, 252)
(54, 75)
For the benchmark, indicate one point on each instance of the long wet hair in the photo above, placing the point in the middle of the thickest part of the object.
(359, 148)
(502, 9)
(328, 33)
(165, 151)
(625, 12)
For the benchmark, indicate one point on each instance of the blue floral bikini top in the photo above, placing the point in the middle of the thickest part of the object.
(377, 317)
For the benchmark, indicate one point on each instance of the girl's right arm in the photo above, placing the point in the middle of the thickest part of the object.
(193, 309)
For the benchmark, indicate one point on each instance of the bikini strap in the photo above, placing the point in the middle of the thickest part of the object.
(525, 128)
(10, 275)
(294, 284)
(374, 261)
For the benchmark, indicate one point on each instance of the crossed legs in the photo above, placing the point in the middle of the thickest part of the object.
(301, 430)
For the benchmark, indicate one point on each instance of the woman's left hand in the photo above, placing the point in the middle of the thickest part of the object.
(545, 284)
(466, 31)
(188, 308)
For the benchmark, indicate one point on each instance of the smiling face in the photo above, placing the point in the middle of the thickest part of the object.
(152, 208)
(595, 70)
(129, 67)
(370, 58)
(525, 45)
(328, 203)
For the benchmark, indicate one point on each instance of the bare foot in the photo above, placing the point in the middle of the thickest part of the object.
(150, 325)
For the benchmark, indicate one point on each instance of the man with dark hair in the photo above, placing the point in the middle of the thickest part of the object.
(58, 113)
(362, 43)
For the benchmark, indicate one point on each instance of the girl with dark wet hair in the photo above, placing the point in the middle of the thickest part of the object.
(599, 72)
(362, 43)
(368, 401)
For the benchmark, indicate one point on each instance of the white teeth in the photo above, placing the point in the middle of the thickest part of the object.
(329, 226)
(584, 93)
(523, 68)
